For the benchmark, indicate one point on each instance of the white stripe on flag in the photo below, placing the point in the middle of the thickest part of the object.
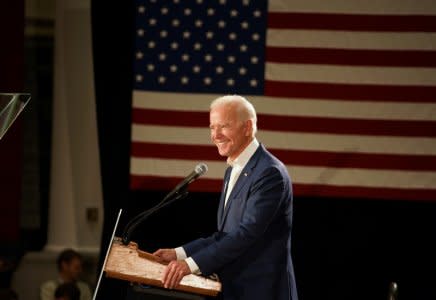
(306, 175)
(293, 141)
(351, 40)
(293, 106)
(174, 167)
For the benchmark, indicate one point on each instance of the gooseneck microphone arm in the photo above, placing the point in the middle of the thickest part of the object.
(179, 192)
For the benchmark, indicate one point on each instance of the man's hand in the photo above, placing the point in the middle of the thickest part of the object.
(174, 273)
(165, 255)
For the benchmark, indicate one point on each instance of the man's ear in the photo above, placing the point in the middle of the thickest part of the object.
(248, 127)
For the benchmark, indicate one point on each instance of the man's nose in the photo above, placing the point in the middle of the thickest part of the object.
(216, 133)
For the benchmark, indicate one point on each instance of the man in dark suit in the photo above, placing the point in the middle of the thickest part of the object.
(251, 251)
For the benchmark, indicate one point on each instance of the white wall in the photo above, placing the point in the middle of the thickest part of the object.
(75, 187)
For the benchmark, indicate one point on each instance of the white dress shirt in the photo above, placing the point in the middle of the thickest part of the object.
(238, 164)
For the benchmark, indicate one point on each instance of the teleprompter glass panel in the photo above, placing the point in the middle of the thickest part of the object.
(11, 105)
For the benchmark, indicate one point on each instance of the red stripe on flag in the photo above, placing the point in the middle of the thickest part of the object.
(295, 124)
(172, 151)
(351, 22)
(168, 183)
(351, 57)
(215, 185)
(357, 160)
(351, 92)
(294, 157)
(348, 126)
(170, 117)
(356, 192)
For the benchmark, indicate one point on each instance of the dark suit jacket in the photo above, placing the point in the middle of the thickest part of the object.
(251, 252)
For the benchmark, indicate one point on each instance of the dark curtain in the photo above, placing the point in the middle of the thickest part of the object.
(342, 248)
(11, 80)
(112, 57)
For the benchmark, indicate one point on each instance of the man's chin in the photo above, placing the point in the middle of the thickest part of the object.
(222, 153)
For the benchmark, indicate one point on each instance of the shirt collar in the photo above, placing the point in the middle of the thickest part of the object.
(245, 155)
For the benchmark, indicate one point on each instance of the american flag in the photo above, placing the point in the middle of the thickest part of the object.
(345, 91)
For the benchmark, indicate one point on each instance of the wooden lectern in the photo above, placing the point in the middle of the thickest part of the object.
(131, 264)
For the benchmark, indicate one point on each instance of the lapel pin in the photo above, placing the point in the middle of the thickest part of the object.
(245, 174)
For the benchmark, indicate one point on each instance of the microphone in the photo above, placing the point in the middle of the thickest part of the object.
(199, 170)
(178, 192)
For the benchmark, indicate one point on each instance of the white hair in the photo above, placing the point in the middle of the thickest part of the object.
(245, 109)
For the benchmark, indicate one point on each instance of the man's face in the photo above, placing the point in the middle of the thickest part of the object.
(227, 132)
(73, 269)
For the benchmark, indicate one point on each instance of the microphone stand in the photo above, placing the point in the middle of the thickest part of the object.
(168, 199)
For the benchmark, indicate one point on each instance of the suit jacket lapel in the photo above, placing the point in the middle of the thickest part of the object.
(222, 198)
(242, 180)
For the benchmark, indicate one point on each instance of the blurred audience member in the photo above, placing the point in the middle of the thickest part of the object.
(67, 291)
(69, 265)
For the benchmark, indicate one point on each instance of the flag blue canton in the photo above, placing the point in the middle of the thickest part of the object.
(201, 46)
